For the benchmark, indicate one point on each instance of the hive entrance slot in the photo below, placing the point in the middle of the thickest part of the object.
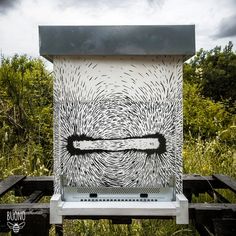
(93, 195)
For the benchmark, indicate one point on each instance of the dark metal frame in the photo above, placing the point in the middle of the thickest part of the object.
(218, 218)
(124, 40)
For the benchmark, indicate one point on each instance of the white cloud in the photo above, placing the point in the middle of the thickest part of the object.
(19, 25)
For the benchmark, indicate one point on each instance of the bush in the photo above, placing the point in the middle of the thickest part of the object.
(202, 116)
(25, 117)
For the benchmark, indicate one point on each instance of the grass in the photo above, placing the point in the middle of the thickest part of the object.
(138, 227)
(207, 157)
(199, 156)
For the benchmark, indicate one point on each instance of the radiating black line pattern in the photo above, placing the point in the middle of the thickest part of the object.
(109, 112)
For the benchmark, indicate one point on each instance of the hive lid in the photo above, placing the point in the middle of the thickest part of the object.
(117, 40)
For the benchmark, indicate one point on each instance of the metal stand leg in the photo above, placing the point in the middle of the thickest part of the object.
(182, 209)
(55, 217)
(59, 230)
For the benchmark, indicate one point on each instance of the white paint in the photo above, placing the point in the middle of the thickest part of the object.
(118, 145)
(107, 99)
(110, 98)
(175, 208)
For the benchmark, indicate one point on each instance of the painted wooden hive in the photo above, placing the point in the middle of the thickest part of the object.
(118, 118)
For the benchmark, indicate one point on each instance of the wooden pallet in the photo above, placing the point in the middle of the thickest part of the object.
(218, 218)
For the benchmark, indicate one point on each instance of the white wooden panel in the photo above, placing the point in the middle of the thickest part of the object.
(118, 102)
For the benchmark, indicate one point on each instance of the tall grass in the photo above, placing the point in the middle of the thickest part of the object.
(204, 157)
(138, 227)
(209, 145)
(207, 157)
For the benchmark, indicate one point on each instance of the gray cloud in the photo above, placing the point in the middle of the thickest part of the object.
(86, 3)
(233, 3)
(227, 27)
(153, 3)
(6, 5)
(108, 3)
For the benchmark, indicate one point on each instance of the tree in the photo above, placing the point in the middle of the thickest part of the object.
(26, 108)
(215, 73)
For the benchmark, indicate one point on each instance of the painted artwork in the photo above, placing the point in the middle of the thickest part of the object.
(118, 121)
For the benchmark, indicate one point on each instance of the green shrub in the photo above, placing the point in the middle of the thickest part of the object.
(25, 117)
(202, 116)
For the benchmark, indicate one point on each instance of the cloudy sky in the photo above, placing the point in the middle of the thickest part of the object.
(215, 20)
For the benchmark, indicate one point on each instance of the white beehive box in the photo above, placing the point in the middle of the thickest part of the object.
(117, 115)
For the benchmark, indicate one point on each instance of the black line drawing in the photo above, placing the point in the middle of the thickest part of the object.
(153, 143)
(118, 121)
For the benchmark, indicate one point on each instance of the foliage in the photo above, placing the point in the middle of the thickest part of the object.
(207, 157)
(215, 72)
(209, 128)
(25, 116)
(202, 116)
(137, 228)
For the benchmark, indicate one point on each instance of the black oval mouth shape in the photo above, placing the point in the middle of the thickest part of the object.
(150, 144)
